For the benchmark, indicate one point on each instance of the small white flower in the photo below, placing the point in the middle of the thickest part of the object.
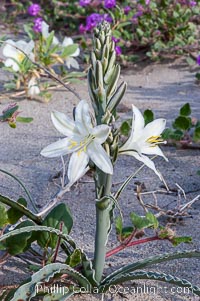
(33, 88)
(11, 50)
(83, 140)
(46, 33)
(70, 61)
(144, 139)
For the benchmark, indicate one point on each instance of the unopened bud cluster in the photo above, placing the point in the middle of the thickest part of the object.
(103, 77)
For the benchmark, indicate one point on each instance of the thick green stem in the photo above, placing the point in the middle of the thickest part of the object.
(104, 207)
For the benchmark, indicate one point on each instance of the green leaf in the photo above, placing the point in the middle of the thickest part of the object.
(69, 50)
(196, 135)
(17, 244)
(49, 41)
(152, 219)
(197, 75)
(124, 24)
(140, 32)
(144, 263)
(60, 213)
(24, 119)
(126, 232)
(125, 128)
(118, 225)
(182, 239)
(29, 31)
(185, 110)
(116, 33)
(140, 222)
(182, 123)
(3, 216)
(12, 125)
(13, 214)
(9, 112)
(190, 61)
(36, 229)
(148, 116)
(75, 258)
(166, 134)
(9, 86)
(151, 275)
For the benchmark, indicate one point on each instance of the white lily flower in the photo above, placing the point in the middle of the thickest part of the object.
(83, 140)
(70, 61)
(33, 88)
(11, 50)
(46, 33)
(144, 140)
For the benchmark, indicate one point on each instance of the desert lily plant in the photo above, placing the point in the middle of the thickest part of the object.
(93, 140)
(30, 62)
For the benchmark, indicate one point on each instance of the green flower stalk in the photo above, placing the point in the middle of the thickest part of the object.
(103, 78)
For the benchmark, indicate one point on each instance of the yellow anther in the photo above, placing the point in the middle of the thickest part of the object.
(82, 145)
(73, 144)
(20, 57)
(154, 140)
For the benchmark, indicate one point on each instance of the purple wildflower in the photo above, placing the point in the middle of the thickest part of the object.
(127, 10)
(94, 19)
(84, 2)
(198, 59)
(107, 18)
(37, 25)
(147, 2)
(118, 50)
(116, 40)
(34, 9)
(109, 3)
(192, 3)
(82, 28)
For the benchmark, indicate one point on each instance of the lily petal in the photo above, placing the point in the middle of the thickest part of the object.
(71, 62)
(101, 133)
(138, 121)
(63, 124)
(8, 49)
(59, 148)
(77, 166)
(82, 118)
(153, 151)
(148, 162)
(100, 158)
(45, 30)
(10, 63)
(67, 41)
(154, 128)
(29, 47)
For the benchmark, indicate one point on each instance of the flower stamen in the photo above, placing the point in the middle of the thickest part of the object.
(155, 140)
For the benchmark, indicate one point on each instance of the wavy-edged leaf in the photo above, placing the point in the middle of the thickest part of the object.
(21, 242)
(88, 271)
(28, 229)
(150, 275)
(152, 260)
(28, 290)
